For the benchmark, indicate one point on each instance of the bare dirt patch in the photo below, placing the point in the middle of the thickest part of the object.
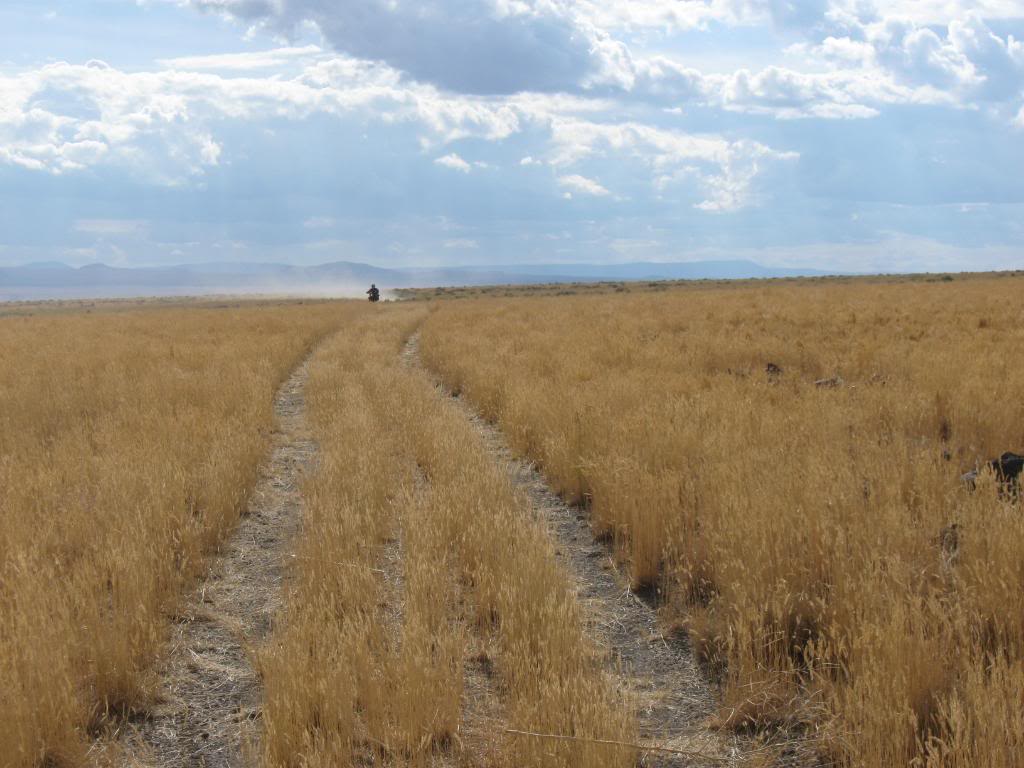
(209, 710)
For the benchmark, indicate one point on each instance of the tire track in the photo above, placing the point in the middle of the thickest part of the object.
(210, 707)
(673, 697)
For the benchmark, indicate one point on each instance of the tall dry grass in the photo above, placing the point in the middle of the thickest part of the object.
(128, 444)
(361, 667)
(803, 533)
(343, 676)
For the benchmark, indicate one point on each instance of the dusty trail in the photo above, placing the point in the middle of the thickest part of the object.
(210, 710)
(661, 675)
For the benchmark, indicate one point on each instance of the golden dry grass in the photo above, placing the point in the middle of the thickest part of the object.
(363, 668)
(128, 444)
(660, 286)
(800, 533)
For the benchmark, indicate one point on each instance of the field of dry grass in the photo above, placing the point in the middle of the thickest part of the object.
(815, 540)
(535, 290)
(777, 465)
(426, 612)
(128, 443)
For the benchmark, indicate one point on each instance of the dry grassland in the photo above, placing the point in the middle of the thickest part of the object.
(417, 552)
(128, 444)
(816, 541)
(534, 290)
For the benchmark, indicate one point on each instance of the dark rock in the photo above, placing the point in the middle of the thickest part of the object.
(773, 370)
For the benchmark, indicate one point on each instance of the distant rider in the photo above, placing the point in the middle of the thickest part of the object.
(373, 293)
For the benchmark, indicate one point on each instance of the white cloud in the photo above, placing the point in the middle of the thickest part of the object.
(583, 185)
(725, 170)
(941, 12)
(649, 103)
(860, 55)
(252, 60)
(587, 45)
(459, 45)
(858, 58)
(786, 93)
(670, 15)
(159, 125)
(454, 162)
(858, 88)
(151, 123)
(948, 48)
(209, 150)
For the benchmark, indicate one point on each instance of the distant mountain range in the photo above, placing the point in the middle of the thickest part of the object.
(54, 280)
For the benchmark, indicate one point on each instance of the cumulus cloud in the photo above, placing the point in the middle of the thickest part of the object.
(669, 15)
(568, 84)
(65, 118)
(454, 162)
(620, 99)
(725, 171)
(793, 15)
(939, 12)
(858, 56)
(854, 71)
(787, 94)
(998, 61)
(873, 53)
(959, 55)
(160, 125)
(582, 185)
(469, 46)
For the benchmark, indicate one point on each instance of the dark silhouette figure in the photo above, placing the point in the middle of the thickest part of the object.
(373, 293)
(1007, 469)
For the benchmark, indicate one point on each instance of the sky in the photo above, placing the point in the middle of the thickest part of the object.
(853, 135)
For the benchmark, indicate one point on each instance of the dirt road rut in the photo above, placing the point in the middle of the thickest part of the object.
(209, 715)
(661, 675)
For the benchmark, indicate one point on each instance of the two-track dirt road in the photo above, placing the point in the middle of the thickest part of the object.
(661, 675)
(211, 699)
